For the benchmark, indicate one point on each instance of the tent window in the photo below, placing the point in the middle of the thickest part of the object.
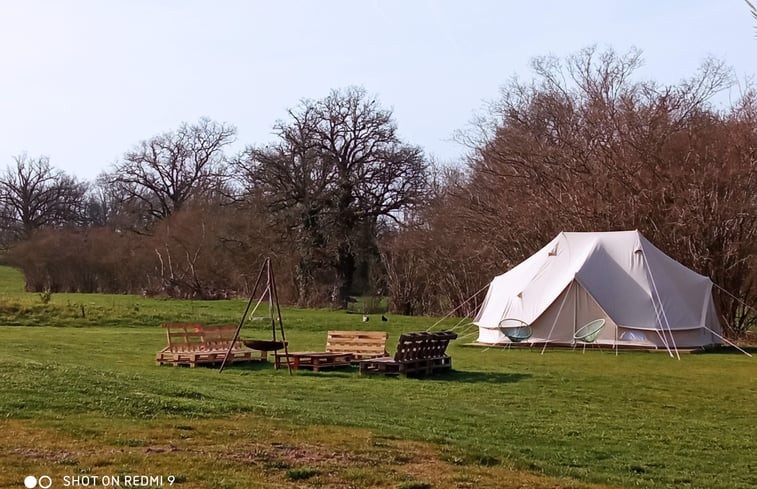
(634, 336)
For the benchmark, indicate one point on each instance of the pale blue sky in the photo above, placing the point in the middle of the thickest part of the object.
(84, 81)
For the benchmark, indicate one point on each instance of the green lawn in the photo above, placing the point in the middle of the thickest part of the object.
(632, 420)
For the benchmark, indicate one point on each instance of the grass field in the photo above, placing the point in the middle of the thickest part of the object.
(80, 395)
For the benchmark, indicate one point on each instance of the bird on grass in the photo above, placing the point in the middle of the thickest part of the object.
(384, 318)
(366, 319)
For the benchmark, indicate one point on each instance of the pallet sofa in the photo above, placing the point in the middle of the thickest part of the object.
(194, 344)
(420, 353)
(343, 348)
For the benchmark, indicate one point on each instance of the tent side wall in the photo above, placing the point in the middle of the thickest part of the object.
(575, 307)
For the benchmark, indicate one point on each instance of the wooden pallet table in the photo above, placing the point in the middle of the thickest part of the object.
(342, 347)
(315, 360)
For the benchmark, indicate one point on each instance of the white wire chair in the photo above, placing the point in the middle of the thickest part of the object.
(516, 330)
(589, 332)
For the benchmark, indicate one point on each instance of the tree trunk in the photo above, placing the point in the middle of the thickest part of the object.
(345, 272)
(304, 279)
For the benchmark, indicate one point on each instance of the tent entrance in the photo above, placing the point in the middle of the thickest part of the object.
(572, 309)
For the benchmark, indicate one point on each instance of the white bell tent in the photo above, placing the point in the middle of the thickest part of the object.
(646, 298)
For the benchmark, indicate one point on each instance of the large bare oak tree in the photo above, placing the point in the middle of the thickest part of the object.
(33, 194)
(160, 175)
(337, 170)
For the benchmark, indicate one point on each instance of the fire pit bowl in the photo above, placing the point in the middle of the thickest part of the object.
(264, 345)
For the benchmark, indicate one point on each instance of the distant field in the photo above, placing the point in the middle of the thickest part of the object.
(80, 394)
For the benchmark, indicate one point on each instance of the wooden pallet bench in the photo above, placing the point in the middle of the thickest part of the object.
(342, 348)
(419, 353)
(193, 344)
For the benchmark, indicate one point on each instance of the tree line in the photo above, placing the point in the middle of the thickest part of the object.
(346, 207)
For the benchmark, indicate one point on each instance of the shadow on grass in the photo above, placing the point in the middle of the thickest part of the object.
(481, 377)
(344, 372)
(451, 376)
(245, 367)
(727, 350)
(351, 372)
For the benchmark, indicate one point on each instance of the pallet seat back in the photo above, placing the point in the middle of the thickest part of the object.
(417, 353)
(342, 349)
(219, 337)
(184, 337)
(362, 344)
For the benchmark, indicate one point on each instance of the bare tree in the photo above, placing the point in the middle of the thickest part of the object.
(752, 9)
(293, 182)
(585, 147)
(162, 174)
(433, 264)
(338, 169)
(35, 195)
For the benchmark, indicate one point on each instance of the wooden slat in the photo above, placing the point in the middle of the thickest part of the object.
(361, 344)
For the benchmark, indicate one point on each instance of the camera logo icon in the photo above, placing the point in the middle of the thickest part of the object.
(44, 482)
